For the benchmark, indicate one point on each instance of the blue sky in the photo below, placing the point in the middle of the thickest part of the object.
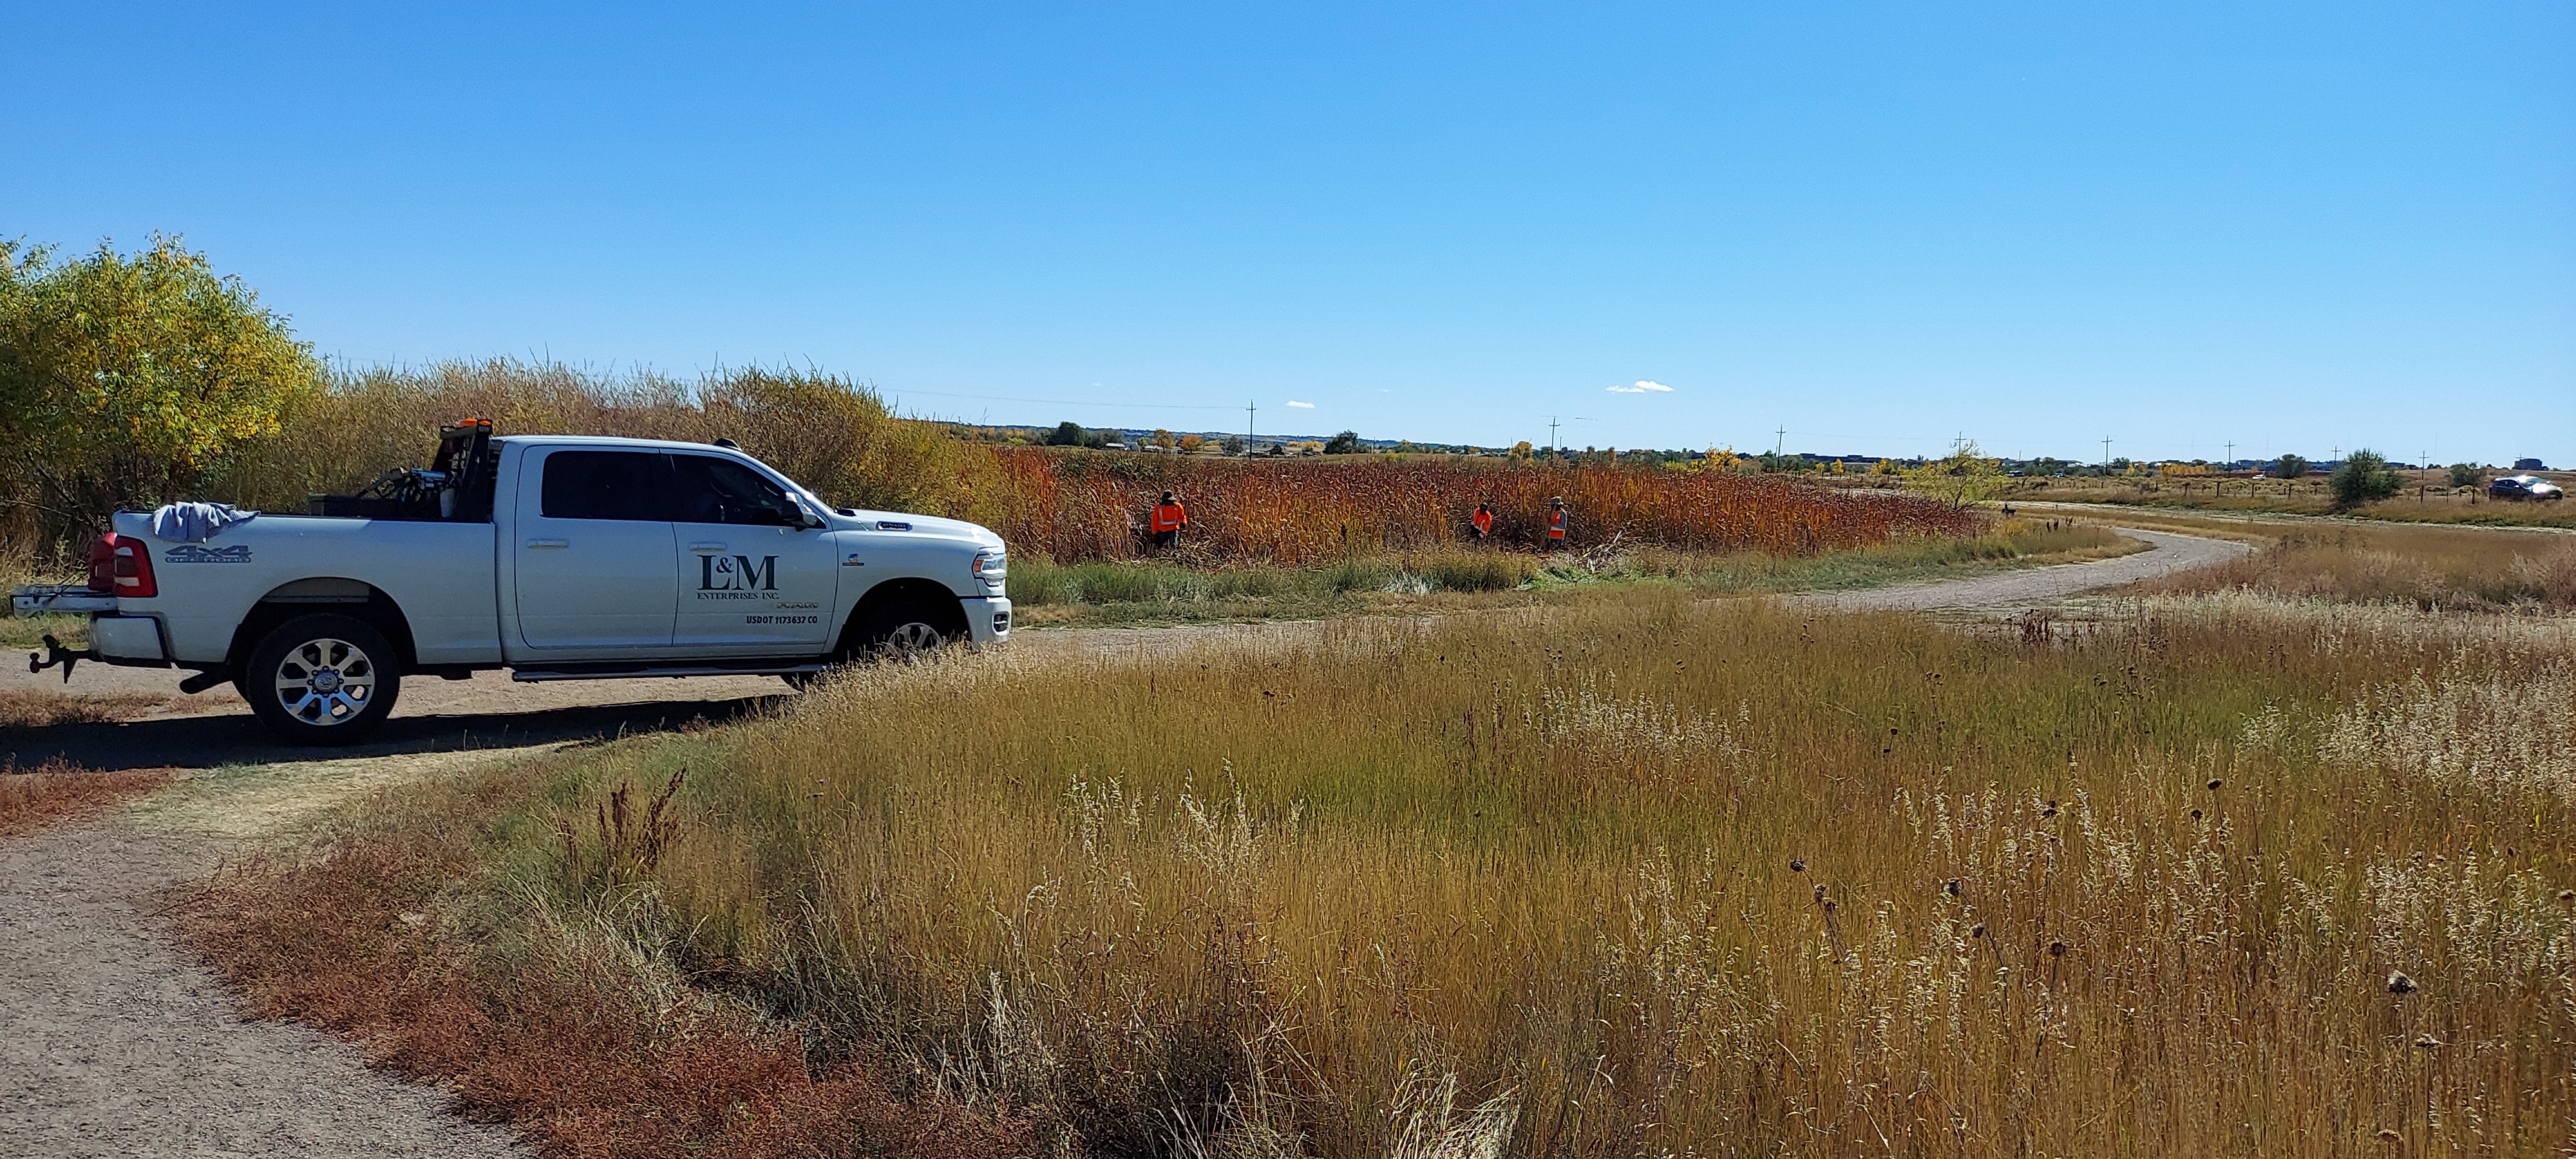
(2296, 228)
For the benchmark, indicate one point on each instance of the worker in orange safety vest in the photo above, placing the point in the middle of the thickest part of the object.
(1556, 522)
(1169, 518)
(1483, 522)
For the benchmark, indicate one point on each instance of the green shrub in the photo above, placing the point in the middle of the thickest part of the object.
(2362, 477)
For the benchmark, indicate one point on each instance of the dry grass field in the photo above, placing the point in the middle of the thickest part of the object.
(2233, 874)
(2419, 566)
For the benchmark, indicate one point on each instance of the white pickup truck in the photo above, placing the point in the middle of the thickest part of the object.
(556, 557)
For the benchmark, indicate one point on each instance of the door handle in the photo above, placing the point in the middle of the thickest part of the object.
(550, 543)
(707, 548)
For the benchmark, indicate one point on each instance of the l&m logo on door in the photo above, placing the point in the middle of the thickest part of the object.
(736, 577)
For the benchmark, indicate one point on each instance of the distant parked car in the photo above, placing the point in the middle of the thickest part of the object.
(2525, 487)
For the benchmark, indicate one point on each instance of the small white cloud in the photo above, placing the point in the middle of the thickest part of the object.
(1644, 386)
(1293, 404)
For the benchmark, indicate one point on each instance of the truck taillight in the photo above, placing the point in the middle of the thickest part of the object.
(121, 565)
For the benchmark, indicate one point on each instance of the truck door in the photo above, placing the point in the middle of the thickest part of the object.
(594, 553)
(754, 580)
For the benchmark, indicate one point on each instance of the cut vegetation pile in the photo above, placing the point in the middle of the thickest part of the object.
(1637, 877)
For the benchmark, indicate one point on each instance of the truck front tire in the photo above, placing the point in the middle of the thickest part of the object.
(322, 680)
(896, 630)
(905, 628)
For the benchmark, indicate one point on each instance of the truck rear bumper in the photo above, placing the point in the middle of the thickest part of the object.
(134, 640)
(988, 621)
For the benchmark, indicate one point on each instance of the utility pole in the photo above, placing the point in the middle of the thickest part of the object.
(1551, 436)
(1248, 411)
(1779, 442)
(2106, 454)
(2231, 455)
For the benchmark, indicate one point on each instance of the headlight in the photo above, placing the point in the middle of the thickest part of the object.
(991, 564)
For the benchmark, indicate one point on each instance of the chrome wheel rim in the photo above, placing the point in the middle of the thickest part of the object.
(325, 682)
(913, 639)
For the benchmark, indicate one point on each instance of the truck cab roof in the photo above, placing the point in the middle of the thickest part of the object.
(611, 441)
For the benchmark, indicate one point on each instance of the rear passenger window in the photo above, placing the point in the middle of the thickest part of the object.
(603, 485)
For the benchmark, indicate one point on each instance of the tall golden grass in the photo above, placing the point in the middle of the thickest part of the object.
(559, 1028)
(1641, 877)
(825, 432)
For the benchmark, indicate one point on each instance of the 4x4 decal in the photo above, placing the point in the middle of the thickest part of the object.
(191, 553)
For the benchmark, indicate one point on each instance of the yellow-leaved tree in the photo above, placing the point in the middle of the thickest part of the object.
(125, 379)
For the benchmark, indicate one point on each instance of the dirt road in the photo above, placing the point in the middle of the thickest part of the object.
(2013, 591)
(117, 1043)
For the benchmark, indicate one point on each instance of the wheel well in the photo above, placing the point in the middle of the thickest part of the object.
(333, 595)
(901, 590)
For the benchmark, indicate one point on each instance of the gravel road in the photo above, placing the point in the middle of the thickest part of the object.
(113, 1041)
(118, 1043)
(2014, 591)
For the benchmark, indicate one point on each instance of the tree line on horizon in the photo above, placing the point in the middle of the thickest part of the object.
(134, 379)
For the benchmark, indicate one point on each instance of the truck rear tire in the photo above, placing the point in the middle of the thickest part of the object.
(322, 680)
